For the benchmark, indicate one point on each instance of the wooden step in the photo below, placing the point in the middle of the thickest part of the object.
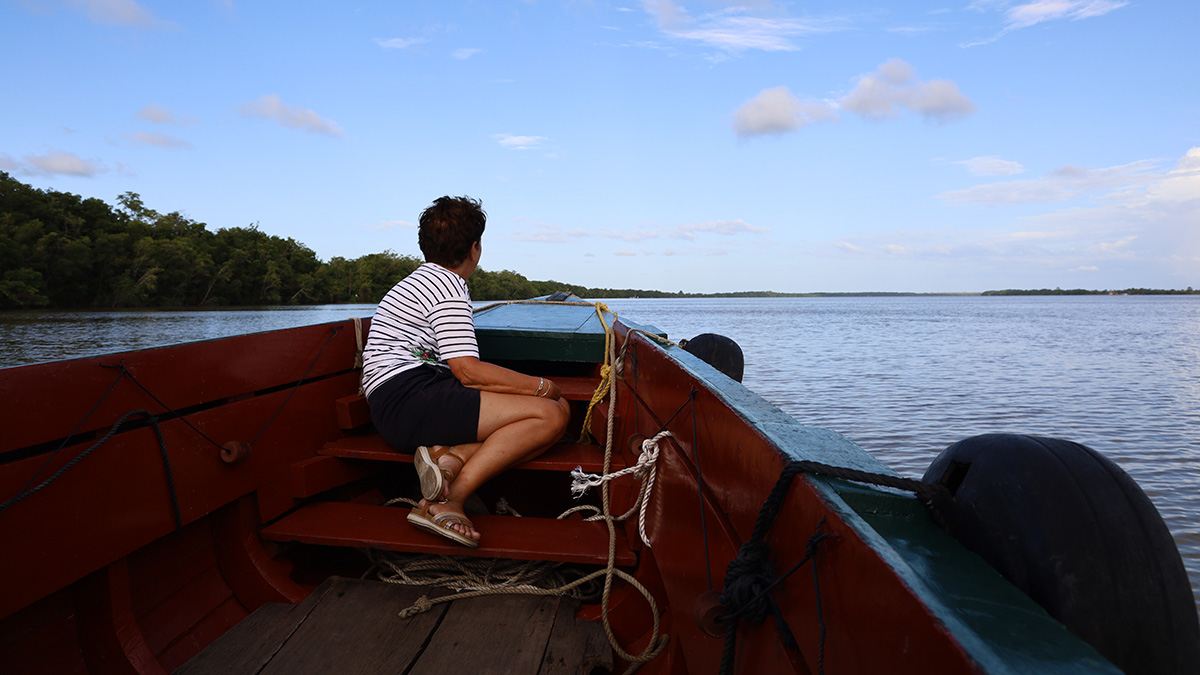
(383, 527)
(561, 457)
(577, 388)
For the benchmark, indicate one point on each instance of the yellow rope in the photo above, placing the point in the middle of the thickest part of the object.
(605, 385)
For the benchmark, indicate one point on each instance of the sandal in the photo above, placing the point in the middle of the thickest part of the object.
(433, 477)
(439, 524)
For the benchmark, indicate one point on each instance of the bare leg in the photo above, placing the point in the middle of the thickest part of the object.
(513, 429)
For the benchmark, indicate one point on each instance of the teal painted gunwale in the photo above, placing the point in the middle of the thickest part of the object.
(994, 622)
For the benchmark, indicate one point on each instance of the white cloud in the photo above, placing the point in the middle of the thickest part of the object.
(159, 140)
(732, 29)
(878, 96)
(270, 106)
(625, 253)
(1063, 183)
(991, 166)
(725, 227)
(465, 53)
(513, 142)
(1032, 13)
(156, 114)
(777, 111)
(55, 163)
(894, 85)
(1144, 217)
(118, 12)
(1040, 11)
(400, 43)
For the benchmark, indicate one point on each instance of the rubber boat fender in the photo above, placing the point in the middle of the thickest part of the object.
(1076, 533)
(717, 351)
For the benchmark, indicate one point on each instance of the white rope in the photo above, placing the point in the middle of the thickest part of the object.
(646, 468)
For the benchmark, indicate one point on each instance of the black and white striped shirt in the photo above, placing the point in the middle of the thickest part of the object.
(426, 318)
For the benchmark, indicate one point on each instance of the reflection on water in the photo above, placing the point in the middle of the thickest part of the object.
(902, 377)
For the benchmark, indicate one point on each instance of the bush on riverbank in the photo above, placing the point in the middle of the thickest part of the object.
(58, 250)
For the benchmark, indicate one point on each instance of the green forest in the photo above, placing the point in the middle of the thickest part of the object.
(58, 250)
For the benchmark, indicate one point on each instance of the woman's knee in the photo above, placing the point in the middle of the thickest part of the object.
(556, 417)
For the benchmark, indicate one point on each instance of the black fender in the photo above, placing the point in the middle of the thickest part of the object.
(1080, 537)
(717, 351)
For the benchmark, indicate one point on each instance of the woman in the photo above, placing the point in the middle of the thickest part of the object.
(426, 385)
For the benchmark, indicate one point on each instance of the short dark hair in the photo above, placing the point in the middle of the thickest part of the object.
(448, 229)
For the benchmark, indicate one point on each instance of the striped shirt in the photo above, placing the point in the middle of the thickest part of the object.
(426, 318)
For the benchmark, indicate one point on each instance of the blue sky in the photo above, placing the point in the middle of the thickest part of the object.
(698, 146)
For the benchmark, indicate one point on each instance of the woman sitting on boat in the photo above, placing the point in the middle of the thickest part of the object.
(427, 389)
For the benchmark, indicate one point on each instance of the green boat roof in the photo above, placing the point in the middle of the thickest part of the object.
(545, 331)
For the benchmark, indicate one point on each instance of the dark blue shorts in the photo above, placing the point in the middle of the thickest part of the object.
(425, 405)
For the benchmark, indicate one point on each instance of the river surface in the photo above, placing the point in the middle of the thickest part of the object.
(903, 377)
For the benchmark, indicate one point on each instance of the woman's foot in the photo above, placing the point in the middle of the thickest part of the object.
(437, 467)
(462, 526)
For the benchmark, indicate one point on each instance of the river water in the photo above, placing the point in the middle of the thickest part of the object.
(903, 377)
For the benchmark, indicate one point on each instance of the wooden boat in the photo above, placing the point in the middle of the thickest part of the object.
(199, 508)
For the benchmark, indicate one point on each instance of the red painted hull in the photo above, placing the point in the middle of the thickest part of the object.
(98, 579)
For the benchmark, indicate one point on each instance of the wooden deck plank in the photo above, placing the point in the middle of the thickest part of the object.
(353, 626)
(576, 645)
(249, 645)
(356, 629)
(490, 635)
(362, 525)
(561, 457)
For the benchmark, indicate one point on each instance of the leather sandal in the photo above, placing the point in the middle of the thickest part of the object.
(440, 524)
(433, 477)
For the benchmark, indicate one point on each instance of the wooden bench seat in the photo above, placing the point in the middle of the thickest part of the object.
(383, 527)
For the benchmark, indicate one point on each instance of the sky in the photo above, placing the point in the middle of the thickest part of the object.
(701, 146)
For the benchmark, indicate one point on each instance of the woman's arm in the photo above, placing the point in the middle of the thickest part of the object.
(476, 374)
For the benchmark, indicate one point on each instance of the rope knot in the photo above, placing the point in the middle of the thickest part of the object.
(747, 579)
(421, 605)
(646, 468)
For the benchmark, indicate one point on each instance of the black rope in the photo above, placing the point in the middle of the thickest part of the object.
(162, 446)
(700, 488)
(5, 505)
(811, 552)
(750, 577)
(126, 371)
(675, 414)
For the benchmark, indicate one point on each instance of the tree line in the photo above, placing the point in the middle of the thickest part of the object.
(1081, 291)
(58, 250)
